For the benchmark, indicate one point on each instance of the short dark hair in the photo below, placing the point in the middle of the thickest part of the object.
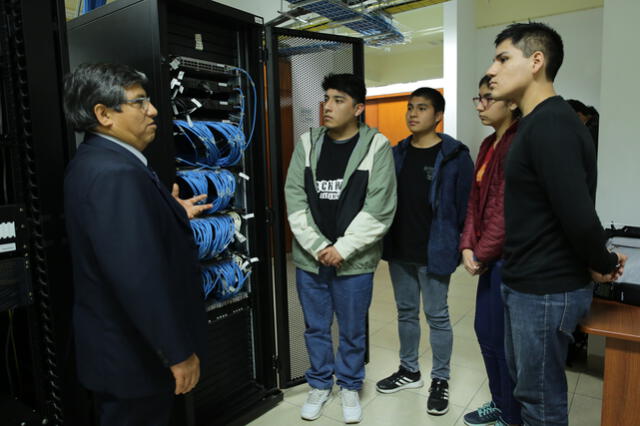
(484, 81)
(350, 84)
(436, 98)
(92, 84)
(535, 36)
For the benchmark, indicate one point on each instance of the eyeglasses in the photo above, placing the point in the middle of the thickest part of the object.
(485, 100)
(140, 103)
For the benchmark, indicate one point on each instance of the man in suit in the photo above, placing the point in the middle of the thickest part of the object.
(138, 313)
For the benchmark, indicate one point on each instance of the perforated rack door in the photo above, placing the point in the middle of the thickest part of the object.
(298, 62)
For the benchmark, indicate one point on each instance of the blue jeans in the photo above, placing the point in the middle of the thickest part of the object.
(489, 326)
(408, 282)
(349, 297)
(538, 330)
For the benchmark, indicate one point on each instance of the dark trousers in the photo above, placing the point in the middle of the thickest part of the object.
(538, 330)
(152, 410)
(489, 325)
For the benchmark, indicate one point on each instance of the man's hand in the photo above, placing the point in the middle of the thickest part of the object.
(190, 205)
(187, 374)
(613, 276)
(470, 264)
(329, 256)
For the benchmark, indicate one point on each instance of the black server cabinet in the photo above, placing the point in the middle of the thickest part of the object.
(189, 50)
(34, 273)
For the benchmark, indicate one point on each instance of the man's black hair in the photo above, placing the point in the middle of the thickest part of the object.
(484, 81)
(436, 98)
(350, 84)
(92, 84)
(535, 36)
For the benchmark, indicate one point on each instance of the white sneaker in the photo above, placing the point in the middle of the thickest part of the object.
(316, 399)
(351, 409)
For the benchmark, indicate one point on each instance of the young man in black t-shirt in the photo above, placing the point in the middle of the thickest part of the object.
(554, 239)
(341, 197)
(434, 174)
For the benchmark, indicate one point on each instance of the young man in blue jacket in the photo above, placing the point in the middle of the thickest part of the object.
(434, 173)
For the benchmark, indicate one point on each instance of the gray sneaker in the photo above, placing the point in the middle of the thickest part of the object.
(351, 409)
(312, 408)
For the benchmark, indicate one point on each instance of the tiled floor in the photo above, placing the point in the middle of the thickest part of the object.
(468, 385)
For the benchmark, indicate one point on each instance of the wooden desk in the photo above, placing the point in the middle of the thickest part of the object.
(620, 324)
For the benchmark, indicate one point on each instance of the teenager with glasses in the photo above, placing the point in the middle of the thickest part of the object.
(481, 245)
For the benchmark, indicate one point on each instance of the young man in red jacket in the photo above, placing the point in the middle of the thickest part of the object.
(481, 245)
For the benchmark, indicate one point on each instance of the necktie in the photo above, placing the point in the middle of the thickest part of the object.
(154, 175)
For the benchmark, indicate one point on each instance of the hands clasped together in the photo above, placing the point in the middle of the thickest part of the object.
(329, 256)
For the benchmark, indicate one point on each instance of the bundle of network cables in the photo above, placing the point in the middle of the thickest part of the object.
(218, 184)
(216, 143)
(213, 234)
(224, 279)
(211, 143)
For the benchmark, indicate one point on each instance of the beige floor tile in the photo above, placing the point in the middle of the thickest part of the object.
(585, 411)
(572, 380)
(482, 396)
(383, 311)
(382, 362)
(297, 395)
(466, 353)
(589, 385)
(375, 326)
(289, 414)
(464, 328)
(406, 409)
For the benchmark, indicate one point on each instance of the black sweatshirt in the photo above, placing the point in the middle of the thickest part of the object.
(553, 234)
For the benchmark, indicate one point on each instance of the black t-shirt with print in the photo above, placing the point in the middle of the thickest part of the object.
(329, 173)
(412, 223)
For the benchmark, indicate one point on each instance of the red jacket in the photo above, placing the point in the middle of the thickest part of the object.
(484, 225)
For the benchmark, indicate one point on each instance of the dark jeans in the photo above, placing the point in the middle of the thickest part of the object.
(348, 297)
(538, 330)
(152, 410)
(489, 326)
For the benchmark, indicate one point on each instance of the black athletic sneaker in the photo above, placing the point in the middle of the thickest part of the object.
(401, 379)
(438, 402)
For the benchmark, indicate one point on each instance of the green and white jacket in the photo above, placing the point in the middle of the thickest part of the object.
(366, 206)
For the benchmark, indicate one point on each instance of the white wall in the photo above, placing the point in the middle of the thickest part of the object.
(459, 57)
(267, 9)
(618, 197)
(580, 74)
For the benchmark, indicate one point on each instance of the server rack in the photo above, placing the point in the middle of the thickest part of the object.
(35, 275)
(200, 58)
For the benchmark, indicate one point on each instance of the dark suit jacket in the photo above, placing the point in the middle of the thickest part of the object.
(139, 305)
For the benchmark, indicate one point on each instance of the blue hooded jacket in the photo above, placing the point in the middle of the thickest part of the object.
(450, 188)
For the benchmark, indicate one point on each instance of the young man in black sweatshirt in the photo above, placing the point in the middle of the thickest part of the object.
(554, 239)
